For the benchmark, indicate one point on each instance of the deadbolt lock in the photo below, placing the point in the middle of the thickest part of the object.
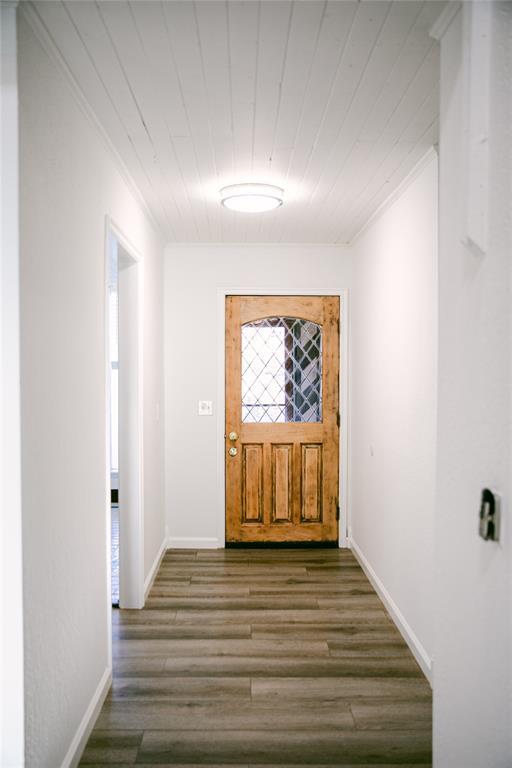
(233, 436)
(233, 451)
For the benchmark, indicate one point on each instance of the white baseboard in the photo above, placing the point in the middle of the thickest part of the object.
(148, 583)
(403, 627)
(198, 542)
(80, 738)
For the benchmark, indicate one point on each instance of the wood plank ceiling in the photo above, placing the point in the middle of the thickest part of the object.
(334, 101)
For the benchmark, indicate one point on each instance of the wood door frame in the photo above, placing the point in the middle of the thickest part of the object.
(342, 293)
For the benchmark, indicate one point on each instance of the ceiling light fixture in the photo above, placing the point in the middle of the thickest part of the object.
(251, 198)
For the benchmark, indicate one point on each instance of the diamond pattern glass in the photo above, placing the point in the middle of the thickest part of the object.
(281, 371)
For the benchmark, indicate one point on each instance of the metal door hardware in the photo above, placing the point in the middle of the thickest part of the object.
(489, 522)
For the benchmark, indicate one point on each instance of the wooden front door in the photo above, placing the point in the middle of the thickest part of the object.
(282, 418)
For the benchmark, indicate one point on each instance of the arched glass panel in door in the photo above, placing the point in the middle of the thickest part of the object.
(281, 371)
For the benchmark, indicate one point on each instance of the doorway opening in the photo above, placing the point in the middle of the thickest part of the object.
(124, 422)
(113, 372)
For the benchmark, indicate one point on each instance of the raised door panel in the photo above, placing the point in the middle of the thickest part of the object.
(311, 483)
(282, 483)
(252, 483)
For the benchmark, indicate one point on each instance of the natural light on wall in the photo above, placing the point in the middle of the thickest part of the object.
(251, 198)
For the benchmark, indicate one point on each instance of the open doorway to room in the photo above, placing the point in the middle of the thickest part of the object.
(113, 372)
(124, 421)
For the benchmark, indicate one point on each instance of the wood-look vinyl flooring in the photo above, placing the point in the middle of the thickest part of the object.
(262, 657)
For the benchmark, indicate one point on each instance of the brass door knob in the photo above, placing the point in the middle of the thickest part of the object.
(233, 436)
(233, 451)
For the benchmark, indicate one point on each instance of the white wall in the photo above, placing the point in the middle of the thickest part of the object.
(69, 183)
(473, 680)
(11, 605)
(393, 403)
(193, 275)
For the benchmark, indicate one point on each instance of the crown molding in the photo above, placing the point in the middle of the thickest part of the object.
(44, 37)
(252, 244)
(430, 155)
(445, 18)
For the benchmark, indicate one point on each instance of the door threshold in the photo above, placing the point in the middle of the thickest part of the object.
(282, 545)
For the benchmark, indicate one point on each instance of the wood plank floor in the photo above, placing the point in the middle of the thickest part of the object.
(262, 657)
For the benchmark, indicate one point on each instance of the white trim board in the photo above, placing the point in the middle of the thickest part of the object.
(417, 649)
(131, 573)
(429, 156)
(123, 240)
(148, 583)
(445, 18)
(83, 732)
(253, 244)
(12, 599)
(196, 542)
(343, 388)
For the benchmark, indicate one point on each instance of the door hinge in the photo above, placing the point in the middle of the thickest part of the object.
(338, 420)
(337, 510)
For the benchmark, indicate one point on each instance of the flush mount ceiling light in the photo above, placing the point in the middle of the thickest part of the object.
(251, 198)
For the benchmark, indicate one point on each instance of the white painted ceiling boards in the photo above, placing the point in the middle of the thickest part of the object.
(334, 101)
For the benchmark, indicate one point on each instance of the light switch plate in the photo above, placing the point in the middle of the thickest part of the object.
(205, 408)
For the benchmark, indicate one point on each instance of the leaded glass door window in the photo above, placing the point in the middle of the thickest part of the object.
(281, 371)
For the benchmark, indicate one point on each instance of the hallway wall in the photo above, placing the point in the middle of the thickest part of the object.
(69, 182)
(393, 403)
(193, 275)
(473, 662)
